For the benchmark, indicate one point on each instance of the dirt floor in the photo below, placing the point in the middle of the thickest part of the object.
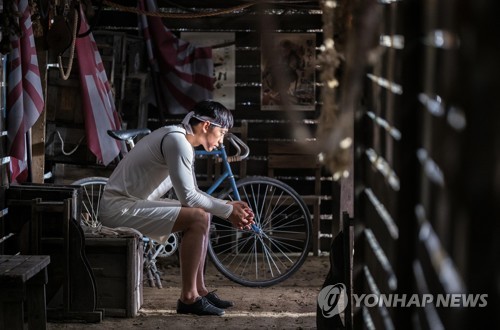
(288, 305)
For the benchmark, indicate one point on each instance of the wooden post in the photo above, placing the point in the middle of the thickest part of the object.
(38, 130)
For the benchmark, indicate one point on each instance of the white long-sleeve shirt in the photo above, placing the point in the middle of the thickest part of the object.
(148, 172)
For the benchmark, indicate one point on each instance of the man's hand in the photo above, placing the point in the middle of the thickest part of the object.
(242, 215)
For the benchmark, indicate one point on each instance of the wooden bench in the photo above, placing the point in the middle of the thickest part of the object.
(286, 155)
(22, 283)
(45, 218)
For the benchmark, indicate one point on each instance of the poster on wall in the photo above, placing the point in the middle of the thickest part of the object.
(293, 62)
(223, 52)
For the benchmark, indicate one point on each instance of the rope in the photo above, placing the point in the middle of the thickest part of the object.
(167, 15)
(62, 145)
(65, 75)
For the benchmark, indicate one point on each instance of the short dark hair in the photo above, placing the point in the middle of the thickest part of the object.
(215, 110)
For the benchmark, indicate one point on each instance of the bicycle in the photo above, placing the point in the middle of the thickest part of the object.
(268, 253)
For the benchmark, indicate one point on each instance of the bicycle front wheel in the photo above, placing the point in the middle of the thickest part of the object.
(92, 189)
(275, 247)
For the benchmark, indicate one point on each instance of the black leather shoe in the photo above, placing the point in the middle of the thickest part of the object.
(217, 302)
(200, 307)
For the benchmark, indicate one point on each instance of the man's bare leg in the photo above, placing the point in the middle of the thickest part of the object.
(202, 289)
(194, 225)
(200, 277)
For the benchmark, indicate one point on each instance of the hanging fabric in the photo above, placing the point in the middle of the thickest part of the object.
(98, 103)
(25, 100)
(182, 72)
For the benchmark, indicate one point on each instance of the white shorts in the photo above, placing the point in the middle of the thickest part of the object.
(153, 219)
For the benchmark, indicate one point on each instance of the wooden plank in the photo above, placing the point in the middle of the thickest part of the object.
(294, 148)
(212, 5)
(36, 301)
(21, 268)
(379, 315)
(378, 263)
(380, 220)
(47, 192)
(135, 100)
(438, 273)
(117, 266)
(38, 129)
(64, 101)
(215, 23)
(22, 283)
(292, 161)
(26, 290)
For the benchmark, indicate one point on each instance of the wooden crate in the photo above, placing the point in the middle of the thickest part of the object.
(117, 266)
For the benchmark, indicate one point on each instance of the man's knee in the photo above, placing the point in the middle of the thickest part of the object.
(201, 219)
(192, 219)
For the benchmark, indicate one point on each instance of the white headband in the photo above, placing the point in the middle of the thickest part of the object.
(191, 114)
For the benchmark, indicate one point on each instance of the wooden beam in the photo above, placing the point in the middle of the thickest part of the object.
(38, 130)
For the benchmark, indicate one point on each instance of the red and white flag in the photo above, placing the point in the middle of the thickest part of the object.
(25, 96)
(97, 98)
(185, 71)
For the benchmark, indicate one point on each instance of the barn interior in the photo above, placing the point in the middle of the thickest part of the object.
(379, 114)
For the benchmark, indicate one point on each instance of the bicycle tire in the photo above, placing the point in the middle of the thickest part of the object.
(92, 189)
(277, 249)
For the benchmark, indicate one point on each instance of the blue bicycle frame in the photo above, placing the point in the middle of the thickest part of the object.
(227, 173)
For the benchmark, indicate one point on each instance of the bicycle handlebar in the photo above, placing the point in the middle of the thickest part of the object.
(239, 145)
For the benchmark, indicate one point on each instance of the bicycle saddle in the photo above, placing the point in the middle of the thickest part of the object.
(128, 133)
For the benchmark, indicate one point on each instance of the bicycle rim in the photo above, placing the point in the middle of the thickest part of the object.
(92, 189)
(279, 244)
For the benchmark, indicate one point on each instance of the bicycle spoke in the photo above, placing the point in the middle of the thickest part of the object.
(254, 205)
(89, 206)
(231, 246)
(267, 254)
(280, 250)
(92, 190)
(247, 259)
(271, 253)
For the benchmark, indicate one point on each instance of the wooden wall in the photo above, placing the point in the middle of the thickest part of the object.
(249, 25)
(248, 30)
(427, 164)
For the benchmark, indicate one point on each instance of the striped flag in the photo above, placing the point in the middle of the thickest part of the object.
(25, 96)
(97, 98)
(184, 71)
